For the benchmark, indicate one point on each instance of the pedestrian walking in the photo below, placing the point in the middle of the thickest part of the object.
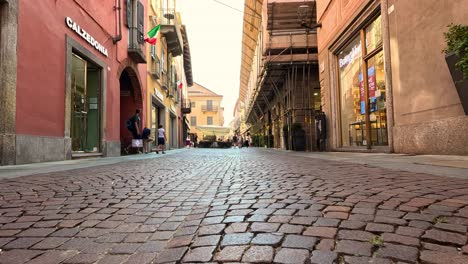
(133, 125)
(187, 142)
(247, 140)
(145, 136)
(234, 140)
(161, 139)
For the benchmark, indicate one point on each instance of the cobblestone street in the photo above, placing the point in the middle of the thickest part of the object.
(236, 205)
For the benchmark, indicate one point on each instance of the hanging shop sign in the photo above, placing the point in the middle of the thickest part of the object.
(86, 36)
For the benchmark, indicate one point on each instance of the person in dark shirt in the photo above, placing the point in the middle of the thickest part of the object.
(135, 128)
(145, 135)
(133, 125)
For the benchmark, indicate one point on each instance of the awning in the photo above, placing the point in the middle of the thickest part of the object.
(187, 123)
(214, 130)
(251, 27)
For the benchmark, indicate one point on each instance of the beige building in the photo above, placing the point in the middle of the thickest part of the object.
(395, 93)
(169, 74)
(206, 109)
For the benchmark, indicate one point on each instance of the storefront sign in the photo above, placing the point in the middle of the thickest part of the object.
(85, 35)
(158, 94)
(351, 56)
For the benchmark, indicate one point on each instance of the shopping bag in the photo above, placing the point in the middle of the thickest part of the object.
(137, 143)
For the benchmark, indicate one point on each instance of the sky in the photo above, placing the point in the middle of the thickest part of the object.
(214, 33)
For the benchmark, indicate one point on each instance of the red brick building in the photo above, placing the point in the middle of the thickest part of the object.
(72, 73)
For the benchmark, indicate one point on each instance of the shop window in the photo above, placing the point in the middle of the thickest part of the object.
(362, 89)
(374, 35)
(193, 120)
(155, 120)
(352, 94)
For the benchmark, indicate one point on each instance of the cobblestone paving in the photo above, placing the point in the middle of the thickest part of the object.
(233, 205)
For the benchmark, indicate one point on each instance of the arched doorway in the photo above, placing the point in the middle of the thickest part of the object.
(130, 100)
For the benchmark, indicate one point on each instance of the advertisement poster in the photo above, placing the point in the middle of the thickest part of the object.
(372, 84)
(372, 88)
(362, 94)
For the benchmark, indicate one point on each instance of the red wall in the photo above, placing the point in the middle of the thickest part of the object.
(41, 62)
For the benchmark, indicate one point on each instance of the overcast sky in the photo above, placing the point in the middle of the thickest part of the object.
(215, 38)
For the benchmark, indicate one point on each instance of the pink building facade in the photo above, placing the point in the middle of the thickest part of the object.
(72, 73)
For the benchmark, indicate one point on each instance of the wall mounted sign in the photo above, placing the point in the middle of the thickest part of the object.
(86, 36)
(158, 94)
(349, 58)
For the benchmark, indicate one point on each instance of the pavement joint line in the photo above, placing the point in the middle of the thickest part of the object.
(396, 162)
(14, 171)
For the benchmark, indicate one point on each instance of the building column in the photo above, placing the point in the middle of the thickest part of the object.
(388, 74)
(8, 68)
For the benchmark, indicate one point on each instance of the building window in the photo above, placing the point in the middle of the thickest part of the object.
(135, 20)
(209, 120)
(193, 104)
(209, 105)
(155, 69)
(362, 89)
(154, 4)
(193, 120)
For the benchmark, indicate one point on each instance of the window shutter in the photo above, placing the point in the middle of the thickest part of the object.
(129, 14)
(153, 52)
(140, 22)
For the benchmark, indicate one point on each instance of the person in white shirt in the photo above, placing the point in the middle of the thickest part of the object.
(161, 139)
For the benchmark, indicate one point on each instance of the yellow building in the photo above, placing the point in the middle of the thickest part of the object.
(169, 73)
(206, 108)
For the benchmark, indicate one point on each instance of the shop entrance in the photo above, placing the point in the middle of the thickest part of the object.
(157, 118)
(130, 100)
(173, 131)
(86, 107)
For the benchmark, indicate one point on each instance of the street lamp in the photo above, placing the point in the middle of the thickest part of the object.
(303, 14)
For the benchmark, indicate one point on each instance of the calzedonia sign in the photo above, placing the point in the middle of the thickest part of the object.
(85, 35)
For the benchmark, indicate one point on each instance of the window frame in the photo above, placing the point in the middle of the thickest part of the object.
(366, 55)
(192, 118)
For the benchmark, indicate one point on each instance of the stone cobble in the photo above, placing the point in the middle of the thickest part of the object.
(233, 206)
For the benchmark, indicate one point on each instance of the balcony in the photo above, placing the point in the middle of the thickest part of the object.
(170, 29)
(186, 106)
(135, 45)
(209, 108)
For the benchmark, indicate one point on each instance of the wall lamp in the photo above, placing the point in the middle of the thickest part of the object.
(304, 12)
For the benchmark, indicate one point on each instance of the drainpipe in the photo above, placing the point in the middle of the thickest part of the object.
(388, 74)
(119, 36)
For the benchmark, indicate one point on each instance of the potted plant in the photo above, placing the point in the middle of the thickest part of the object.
(456, 56)
(299, 139)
